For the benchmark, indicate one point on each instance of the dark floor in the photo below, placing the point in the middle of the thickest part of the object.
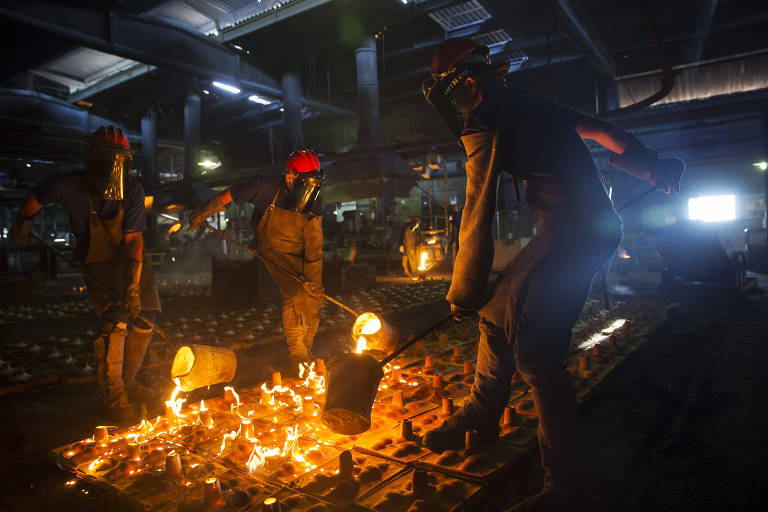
(682, 425)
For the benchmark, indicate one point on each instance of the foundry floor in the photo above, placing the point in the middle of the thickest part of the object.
(681, 425)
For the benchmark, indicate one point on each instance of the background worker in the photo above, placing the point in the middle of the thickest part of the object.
(527, 314)
(287, 221)
(106, 215)
(410, 243)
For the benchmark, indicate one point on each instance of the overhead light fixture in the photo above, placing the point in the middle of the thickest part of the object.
(237, 47)
(209, 164)
(712, 208)
(29, 165)
(206, 91)
(761, 165)
(226, 87)
(259, 99)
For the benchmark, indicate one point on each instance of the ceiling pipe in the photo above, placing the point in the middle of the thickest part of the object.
(668, 77)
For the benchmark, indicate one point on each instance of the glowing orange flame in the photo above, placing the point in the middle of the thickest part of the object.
(423, 261)
(361, 344)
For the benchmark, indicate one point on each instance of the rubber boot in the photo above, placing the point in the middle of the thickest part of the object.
(136, 344)
(119, 406)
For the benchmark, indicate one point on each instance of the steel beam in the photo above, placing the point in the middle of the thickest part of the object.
(143, 38)
(268, 18)
(112, 81)
(581, 31)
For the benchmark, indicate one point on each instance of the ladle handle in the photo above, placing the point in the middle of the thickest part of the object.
(416, 338)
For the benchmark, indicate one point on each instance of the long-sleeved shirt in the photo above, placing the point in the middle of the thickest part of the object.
(536, 141)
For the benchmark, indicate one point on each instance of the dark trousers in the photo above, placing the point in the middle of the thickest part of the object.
(527, 325)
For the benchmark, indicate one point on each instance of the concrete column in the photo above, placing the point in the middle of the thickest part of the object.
(150, 174)
(292, 110)
(191, 136)
(368, 94)
(149, 149)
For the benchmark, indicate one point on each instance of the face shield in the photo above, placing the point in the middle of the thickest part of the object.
(107, 171)
(439, 91)
(306, 188)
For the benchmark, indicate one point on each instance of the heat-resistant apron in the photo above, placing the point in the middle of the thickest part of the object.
(105, 261)
(286, 238)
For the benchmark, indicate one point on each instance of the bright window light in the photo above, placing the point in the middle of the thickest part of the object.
(226, 87)
(712, 208)
(260, 100)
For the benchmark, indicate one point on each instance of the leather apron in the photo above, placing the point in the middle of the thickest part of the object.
(280, 237)
(105, 261)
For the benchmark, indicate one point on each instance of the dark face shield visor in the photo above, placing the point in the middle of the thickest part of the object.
(306, 188)
(439, 91)
(107, 172)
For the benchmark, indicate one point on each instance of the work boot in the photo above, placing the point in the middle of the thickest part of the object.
(292, 371)
(451, 434)
(136, 344)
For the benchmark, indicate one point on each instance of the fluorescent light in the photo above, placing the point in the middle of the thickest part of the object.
(206, 91)
(59, 239)
(226, 87)
(761, 165)
(712, 208)
(237, 47)
(260, 100)
(209, 164)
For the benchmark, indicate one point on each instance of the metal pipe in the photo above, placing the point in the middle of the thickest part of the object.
(668, 78)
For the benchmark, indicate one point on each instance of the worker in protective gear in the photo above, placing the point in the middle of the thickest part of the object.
(106, 215)
(287, 220)
(527, 313)
(410, 243)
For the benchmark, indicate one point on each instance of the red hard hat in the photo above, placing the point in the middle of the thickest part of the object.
(455, 49)
(303, 160)
(111, 136)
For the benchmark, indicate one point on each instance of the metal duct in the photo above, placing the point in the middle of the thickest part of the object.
(372, 174)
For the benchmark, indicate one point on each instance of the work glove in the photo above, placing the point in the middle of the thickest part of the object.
(460, 314)
(22, 225)
(132, 287)
(313, 289)
(199, 214)
(666, 175)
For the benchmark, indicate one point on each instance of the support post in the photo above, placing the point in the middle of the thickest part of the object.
(191, 136)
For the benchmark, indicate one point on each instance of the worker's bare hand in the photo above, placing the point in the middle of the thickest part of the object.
(667, 175)
(313, 289)
(460, 314)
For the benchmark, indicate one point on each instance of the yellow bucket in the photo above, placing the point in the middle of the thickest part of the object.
(197, 366)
